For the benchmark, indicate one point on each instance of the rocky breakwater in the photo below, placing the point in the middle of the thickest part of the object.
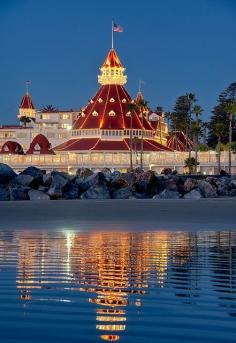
(34, 184)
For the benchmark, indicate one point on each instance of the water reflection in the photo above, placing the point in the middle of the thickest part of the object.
(116, 272)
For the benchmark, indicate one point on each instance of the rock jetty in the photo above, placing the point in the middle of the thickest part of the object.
(34, 184)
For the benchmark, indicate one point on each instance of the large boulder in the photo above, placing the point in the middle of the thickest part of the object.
(193, 194)
(123, 193)
(58, 185)
(99, 191)
(83, 173)
(23, 180)
(71, 192)
(92, 181)
(119, 182)
(19, 192)
(4, 193)
(146, 182)
(207, 190)
(190, 184)
(222, 185)
(232, 193)
(6, 173)
(167, 194)
(38, 195)
(35, 172)
(232, 184)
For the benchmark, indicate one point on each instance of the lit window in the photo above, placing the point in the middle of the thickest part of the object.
(112, 100)
(124, 101)
(46, 116)
(95, 114)
(128, 114)
(100, 100)
(65, 116)
(112, 113)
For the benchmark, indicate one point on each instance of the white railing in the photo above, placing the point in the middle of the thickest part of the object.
(112, 160)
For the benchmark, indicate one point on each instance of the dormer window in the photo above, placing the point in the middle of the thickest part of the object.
(112, 100)
(100, 100)
(124, 101)
(91, 101)
(82, 114)
(95, 113)
(128, 114)
(112, 113)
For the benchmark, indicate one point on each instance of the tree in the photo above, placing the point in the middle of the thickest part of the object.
(220, 130)
(219, 115)
(196, 131)
(49, 108)
(25, 120)
(230, 108)
(180, 116)
(132, 108)
(143, 106)
(190, 164)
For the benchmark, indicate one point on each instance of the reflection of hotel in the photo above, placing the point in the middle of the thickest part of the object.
(115, 270)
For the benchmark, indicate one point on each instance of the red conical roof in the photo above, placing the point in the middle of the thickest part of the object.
(112, 60)
(109, 110)
(27, 102)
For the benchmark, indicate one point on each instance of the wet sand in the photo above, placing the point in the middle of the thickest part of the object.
(138, 215)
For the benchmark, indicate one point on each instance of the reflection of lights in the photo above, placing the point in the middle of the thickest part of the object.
(110, 319)
(111, 327)
(69, 243)
(138, 302)
(110, 338)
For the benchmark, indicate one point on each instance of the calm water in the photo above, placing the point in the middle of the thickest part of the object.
(127, 287)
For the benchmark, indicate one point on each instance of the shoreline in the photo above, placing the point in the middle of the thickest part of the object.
(131, 215)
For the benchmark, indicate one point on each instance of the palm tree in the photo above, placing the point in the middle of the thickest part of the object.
(143, 106)
(136, 141)
(196, 130)
(49, 108)
(191, 100)
(230, 108)
(220, 130)
(132, 107)
(190, 164)
(25, 120)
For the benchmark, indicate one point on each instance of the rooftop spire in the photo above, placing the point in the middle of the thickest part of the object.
(26, 108)
(112, 70)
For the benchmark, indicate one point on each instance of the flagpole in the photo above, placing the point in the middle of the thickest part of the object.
(112, 34)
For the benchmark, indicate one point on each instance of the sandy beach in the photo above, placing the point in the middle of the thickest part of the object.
(142, 215)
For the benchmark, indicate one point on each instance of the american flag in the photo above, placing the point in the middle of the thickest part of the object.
(117, 28)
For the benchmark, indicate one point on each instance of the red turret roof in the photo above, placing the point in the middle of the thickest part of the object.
(112, 60)
(27, 102)
(109, 110)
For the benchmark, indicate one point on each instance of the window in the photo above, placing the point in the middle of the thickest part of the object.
(65, 116)
(128, 114)
(100, 100)
(124, 101)
(112, 113)
(95, 114)
(112, 100)
(46, 116)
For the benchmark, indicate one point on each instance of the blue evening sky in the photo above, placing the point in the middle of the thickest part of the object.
(175, 46)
